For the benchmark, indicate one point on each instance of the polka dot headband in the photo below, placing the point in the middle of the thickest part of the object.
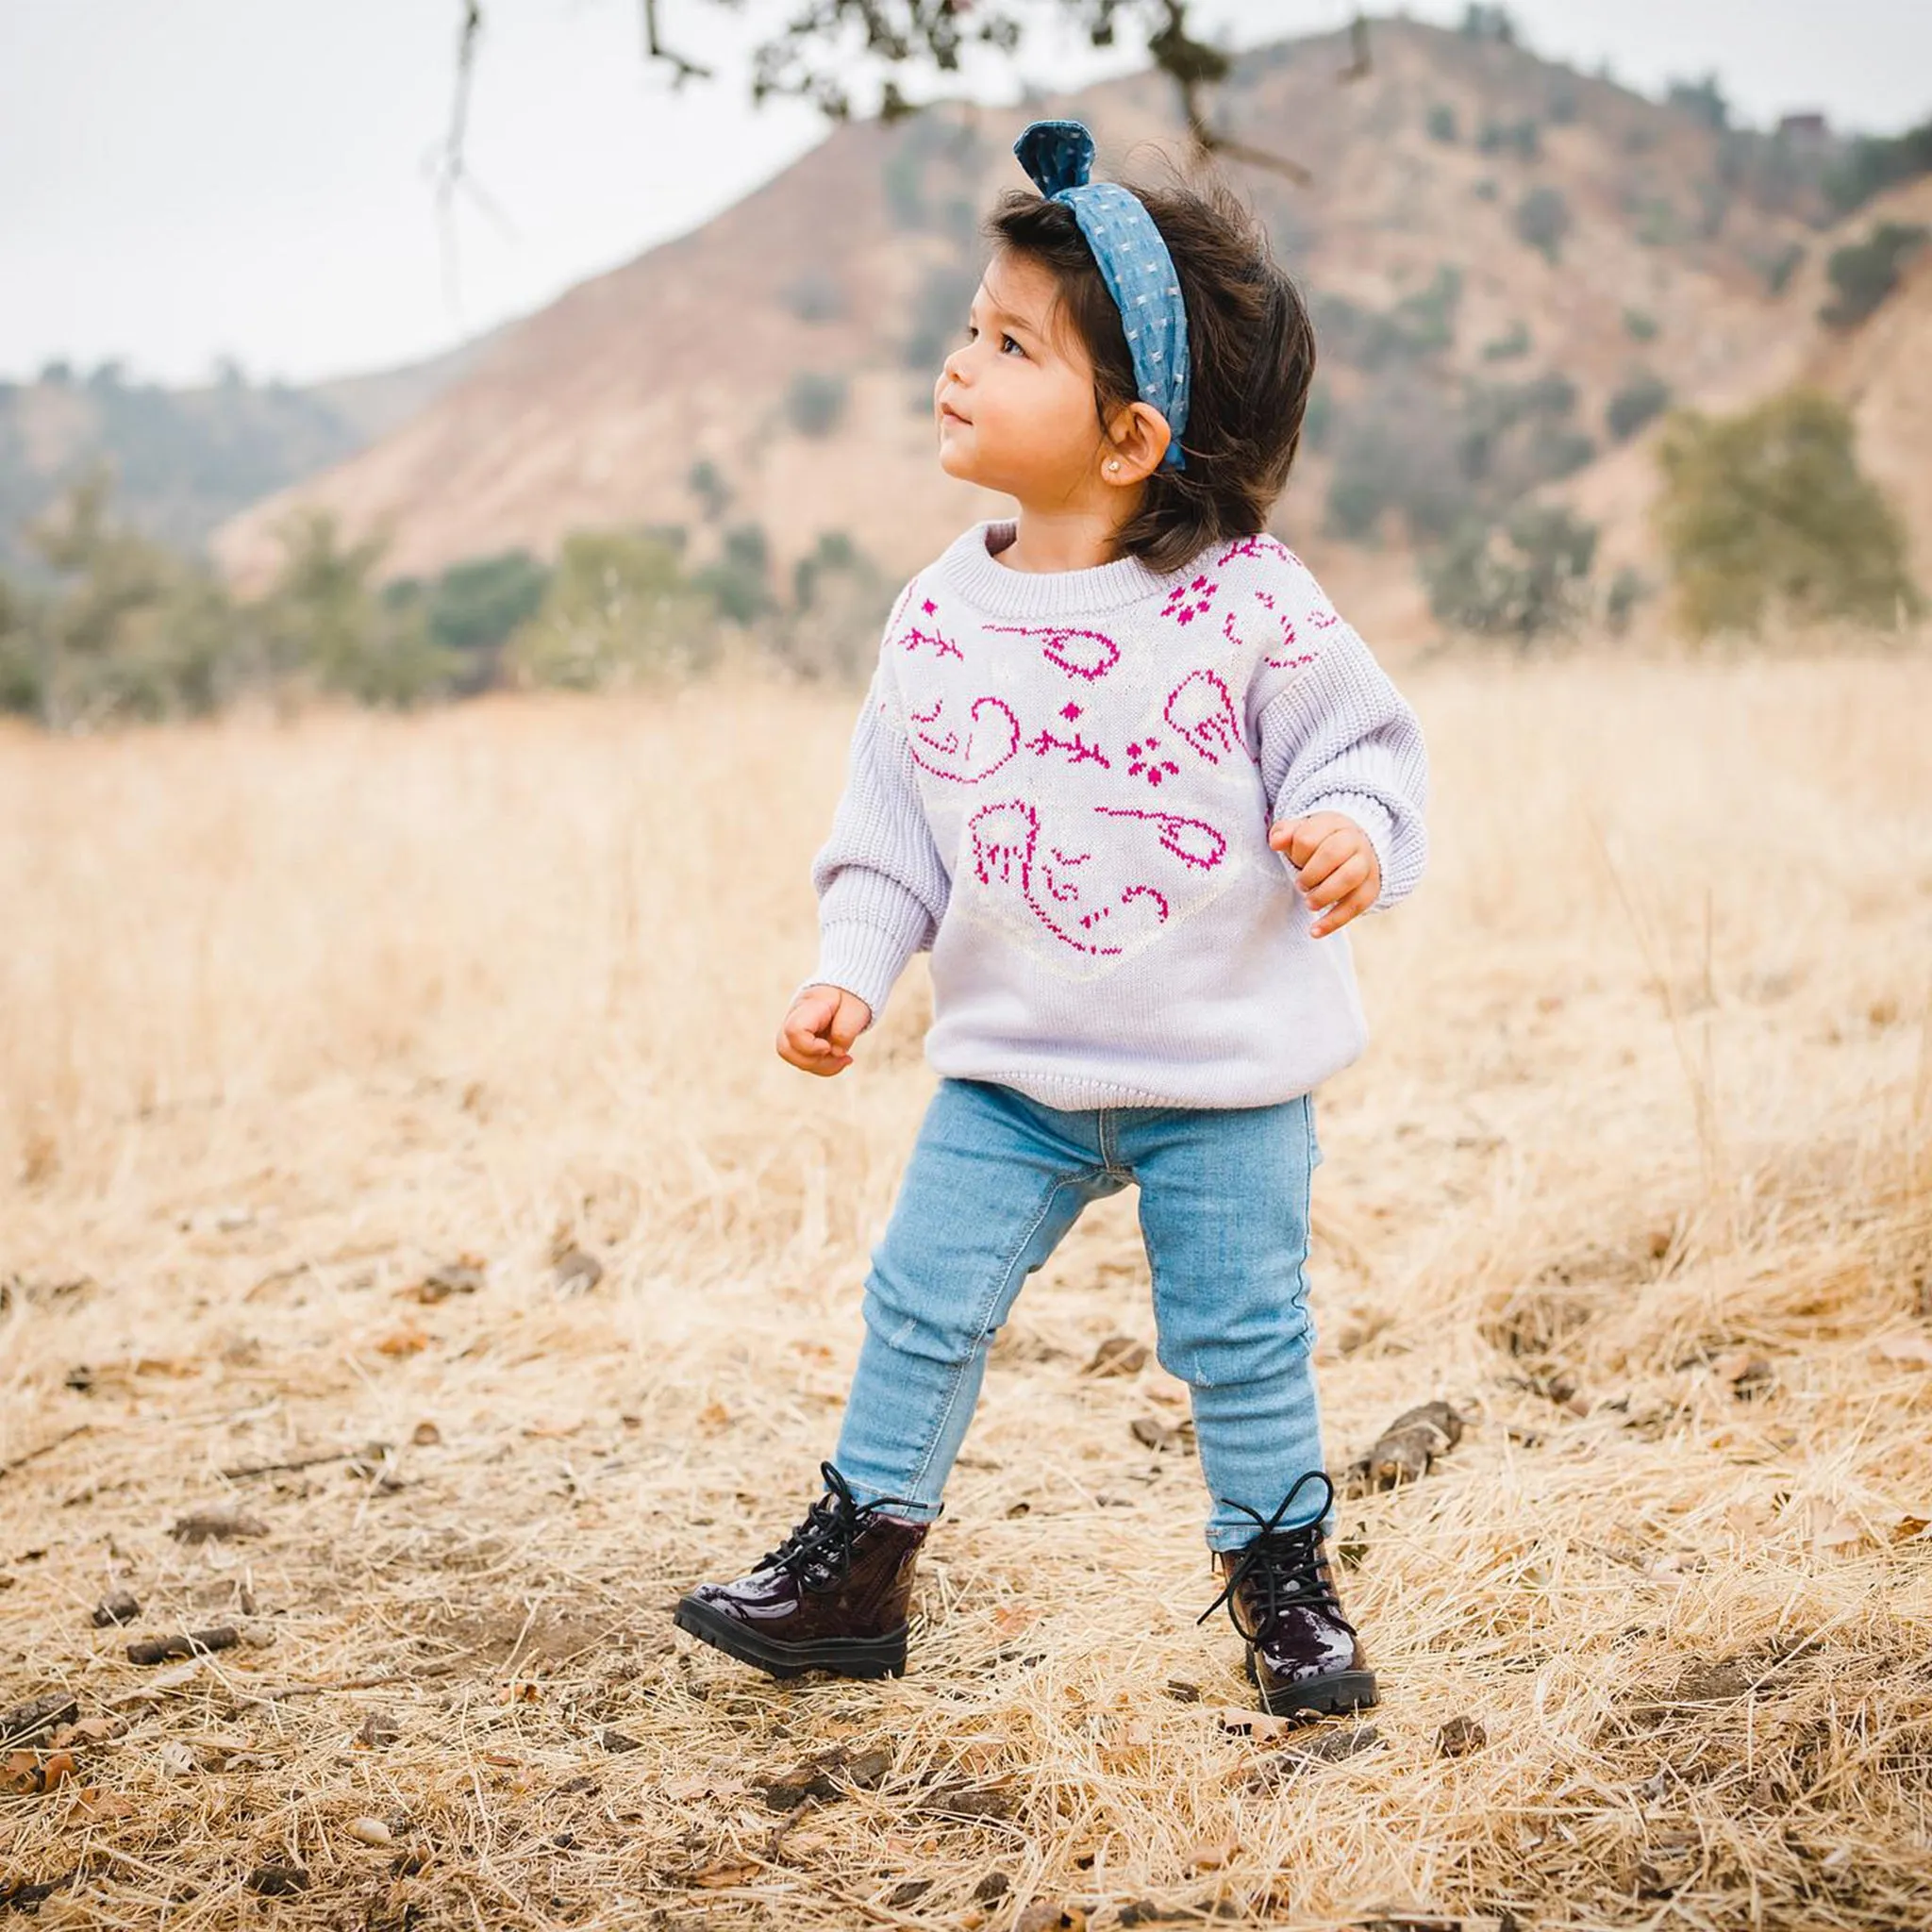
(1133, 263)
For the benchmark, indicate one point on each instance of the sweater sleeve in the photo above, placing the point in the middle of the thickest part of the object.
(1340, 736)
(881, 883)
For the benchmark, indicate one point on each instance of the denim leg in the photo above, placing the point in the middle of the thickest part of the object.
(994, 1182)
(1224, 1214)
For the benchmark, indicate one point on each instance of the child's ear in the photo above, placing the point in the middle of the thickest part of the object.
(1137, 440)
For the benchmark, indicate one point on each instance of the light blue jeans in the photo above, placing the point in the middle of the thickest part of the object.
(994, 1182)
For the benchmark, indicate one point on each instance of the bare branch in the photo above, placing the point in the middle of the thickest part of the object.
(1194, 65)
(814, 56)
(655, 49)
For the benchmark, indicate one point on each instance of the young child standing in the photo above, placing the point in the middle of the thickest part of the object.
(1126, 774)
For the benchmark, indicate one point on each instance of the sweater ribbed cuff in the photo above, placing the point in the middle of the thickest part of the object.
(862, 958)
(1374, 817)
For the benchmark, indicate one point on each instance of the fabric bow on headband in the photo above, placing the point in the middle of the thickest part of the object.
(1133, 263)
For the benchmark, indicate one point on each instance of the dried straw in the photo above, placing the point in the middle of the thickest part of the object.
(1635, 1174)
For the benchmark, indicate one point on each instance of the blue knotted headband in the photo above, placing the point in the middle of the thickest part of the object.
(1133, 263)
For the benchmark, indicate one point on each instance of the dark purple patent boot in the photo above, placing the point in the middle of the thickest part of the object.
(1304, 1656)
(833, 1596)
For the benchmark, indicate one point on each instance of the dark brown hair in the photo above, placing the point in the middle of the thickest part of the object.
(1251, 352)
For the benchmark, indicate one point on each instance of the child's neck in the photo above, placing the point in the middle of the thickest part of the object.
(1070, 536)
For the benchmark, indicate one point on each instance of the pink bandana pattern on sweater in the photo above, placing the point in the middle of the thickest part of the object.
(1061, 784)
(1091, 797)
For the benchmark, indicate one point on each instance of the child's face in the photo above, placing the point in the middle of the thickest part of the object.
(1014, 402)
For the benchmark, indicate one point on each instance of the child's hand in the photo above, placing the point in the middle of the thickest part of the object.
(1339, 873)
(818, 1032)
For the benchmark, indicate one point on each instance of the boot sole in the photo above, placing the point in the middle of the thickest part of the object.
(1342, 1690)
(844, 1657)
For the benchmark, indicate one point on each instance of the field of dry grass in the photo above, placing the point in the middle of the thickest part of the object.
(323, 1042)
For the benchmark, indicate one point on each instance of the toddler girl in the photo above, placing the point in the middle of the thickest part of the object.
(1126, 772)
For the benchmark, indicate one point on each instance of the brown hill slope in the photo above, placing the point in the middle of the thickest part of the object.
(840, 282)
(1882, 370)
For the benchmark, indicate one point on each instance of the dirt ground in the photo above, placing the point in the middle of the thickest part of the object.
(393, 1162)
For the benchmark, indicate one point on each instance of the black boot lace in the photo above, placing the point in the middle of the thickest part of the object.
(819, 1551)
(1285, 1564)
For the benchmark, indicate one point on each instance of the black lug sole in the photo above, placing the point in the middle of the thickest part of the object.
(1328, 1696)
(844, 1657)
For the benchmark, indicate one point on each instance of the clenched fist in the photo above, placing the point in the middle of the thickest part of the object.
(1337, 868)
(817, 1034)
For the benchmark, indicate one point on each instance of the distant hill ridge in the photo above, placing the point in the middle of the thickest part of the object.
(1514, 267)
(186, 459)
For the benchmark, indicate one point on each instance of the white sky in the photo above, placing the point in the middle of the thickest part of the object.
(250, 178)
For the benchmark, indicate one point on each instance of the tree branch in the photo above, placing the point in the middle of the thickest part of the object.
(682, 69)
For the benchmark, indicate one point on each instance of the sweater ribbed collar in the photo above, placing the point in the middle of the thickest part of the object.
(969, 567)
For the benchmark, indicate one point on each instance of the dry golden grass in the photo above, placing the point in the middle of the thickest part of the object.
(295, 1014)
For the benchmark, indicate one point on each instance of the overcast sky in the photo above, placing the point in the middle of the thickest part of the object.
(252, 177)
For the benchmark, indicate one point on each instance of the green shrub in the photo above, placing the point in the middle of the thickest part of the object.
(815, 401)
(1641, 400)
(620, 610)
(1768, 512)
(1865, 273)
(1543, 219)
(1640, 324)
(1526, 579)
(1778, 269)
(1512, 342)
(814, 296)
(705, 481)
(1702, 100)
(739, 583)
(124, 628)
(1489, 23)
(940, 306)
(1523, 136)
(474, 606)
(1875, 163)
(838, 601)
(1397, 451)
(1441, 124)
(323, 622)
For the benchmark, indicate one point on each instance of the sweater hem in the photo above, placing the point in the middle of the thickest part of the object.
(1080, 1093)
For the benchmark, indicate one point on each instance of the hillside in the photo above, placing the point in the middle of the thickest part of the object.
(186, 459)
(1499, 250)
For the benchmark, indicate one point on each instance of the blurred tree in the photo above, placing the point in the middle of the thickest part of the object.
(1643, 397)
(1865, 273)
(740, 582)
(840, 598)
(1703, 100)
(705, 481)
(323, 622)
(1525, 581)
(1767, 513)
(473, 610)
(1543, 219)
(620, 610)
(815, 401)
(127, 629)
(1875, 163)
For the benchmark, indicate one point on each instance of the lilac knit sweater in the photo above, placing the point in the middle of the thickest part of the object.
(1061, 784)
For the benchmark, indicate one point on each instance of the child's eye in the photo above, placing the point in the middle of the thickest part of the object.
(1006, 342)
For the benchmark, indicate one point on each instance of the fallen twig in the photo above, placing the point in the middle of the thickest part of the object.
(6, 1469)
(369, 1450)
